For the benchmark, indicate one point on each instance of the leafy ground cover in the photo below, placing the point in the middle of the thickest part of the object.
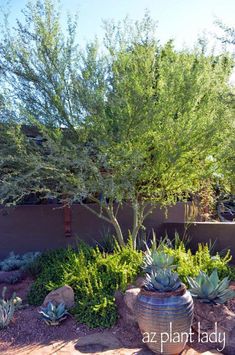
(95, 275)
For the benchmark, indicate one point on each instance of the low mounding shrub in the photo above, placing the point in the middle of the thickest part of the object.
(94, 277)
(189, 264)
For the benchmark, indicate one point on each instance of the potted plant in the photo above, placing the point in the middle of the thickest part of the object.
(164, 306)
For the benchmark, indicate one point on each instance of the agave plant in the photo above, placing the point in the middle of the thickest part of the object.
(163, 280)
(155, 258)
(53, 314)
(7, 309)
(210, 289)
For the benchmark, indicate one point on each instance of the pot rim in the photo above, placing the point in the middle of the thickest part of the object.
(179, 292)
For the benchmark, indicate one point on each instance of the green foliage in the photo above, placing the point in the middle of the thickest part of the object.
(52, 314)
(210, 289)
(149, 114)
(7, 309)
(162, 280)
(190, 264)
(94, 277)
(18, 262)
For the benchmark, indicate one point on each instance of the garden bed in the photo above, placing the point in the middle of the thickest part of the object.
(28, 334)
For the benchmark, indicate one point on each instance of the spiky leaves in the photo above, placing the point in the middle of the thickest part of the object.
(53, 314)
(7, 308)
(163, 280)
(210, 289)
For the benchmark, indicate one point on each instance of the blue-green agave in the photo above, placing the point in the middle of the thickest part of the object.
(156, 259)
(53, 314)
(163, 280)
(210, 289)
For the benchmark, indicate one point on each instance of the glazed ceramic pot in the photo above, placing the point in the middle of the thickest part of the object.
(165, 319)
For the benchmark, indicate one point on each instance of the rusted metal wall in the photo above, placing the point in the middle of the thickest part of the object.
(221, 234)
(40, 227)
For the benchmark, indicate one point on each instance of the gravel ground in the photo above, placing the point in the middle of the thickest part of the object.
(27, 330)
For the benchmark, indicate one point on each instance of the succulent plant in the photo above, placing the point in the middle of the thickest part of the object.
(163, 280)
(53, 314)
(155, 259)
(210, 289)
(7, 308)
(18, 262)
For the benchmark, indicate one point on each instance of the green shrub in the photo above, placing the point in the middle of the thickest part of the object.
(95, 275)
(189, 264)
(92, 274)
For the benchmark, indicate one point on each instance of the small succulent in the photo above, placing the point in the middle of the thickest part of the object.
(7, 308)
(53, 314)
(210, 289)
(18, 262)
(163, 280)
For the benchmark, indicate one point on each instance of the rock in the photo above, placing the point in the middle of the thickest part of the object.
(63, 294)
(125, 314)
(130, 298)
(215, 318)
(97, 343)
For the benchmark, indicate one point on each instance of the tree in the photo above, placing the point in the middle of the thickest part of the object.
(137, 122)
(228, 39)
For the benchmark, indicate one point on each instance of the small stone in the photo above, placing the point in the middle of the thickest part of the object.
(63, 294)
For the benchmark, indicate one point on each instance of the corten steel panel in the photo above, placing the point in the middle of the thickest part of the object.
(222, 233)
(30, 228)
(40, 227)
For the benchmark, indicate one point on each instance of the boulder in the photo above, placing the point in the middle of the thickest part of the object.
(215, 318)
(130, 298)
(97, 343)
(126, 304)
(63, 294)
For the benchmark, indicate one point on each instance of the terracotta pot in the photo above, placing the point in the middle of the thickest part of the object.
(165, 319)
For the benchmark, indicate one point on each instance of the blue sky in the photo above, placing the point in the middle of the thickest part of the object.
(182, 20)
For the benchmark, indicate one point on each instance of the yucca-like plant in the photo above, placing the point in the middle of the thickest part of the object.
(163, 280)
(7, 308)
(210, 289)
(53, 314)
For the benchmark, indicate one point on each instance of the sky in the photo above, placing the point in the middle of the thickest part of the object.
(183, 20)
